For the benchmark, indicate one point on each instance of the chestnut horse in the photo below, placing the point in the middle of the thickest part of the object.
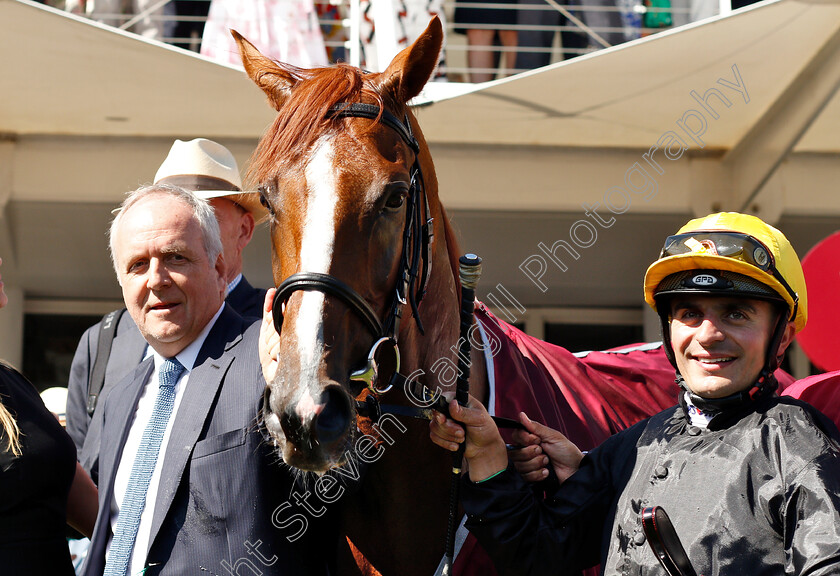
(362, 249)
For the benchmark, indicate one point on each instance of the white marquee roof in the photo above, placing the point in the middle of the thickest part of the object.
(62, 74)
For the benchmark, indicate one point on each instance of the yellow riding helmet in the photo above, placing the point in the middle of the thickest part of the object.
(738, 243)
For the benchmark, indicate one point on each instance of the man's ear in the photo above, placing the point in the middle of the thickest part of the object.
(221, 270)
(787, 338)
(246, 229)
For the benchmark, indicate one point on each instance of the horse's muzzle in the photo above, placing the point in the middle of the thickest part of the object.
(321, 424)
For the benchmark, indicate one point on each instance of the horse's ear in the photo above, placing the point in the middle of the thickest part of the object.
(272, 79)
(409, 71)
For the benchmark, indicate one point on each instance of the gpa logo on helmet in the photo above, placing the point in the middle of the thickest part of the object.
(704, 280)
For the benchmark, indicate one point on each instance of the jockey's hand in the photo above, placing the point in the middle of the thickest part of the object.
(484, 449)
(529, 461)
(543, 445)
(269, 339)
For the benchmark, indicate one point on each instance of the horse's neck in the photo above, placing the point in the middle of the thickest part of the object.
(436, 352)
(413, 473)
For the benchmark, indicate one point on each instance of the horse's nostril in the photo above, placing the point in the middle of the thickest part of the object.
(334, 420)
(266, 405)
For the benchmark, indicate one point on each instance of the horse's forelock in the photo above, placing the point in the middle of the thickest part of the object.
(304, 115)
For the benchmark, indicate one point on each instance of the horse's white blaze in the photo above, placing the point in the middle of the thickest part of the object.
(316, 252)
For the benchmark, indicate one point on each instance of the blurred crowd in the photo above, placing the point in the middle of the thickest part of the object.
(502, 36)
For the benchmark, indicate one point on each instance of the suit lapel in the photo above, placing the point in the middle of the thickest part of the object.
(202, 388)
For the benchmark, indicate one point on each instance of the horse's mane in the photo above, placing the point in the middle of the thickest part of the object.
(304, 114)
(452, 247)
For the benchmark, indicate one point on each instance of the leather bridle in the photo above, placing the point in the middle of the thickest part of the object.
(414, 268)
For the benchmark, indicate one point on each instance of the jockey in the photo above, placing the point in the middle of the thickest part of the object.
(750, 480)
(736, 256)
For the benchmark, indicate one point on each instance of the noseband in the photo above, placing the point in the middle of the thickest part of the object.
(415, 262)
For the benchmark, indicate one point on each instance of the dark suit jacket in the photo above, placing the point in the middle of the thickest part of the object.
(247, 300)
(220, 480)
(127, 351)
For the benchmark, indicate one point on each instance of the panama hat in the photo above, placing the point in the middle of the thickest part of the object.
(210, 171)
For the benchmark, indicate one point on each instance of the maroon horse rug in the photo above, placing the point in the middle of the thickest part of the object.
(587, 396)
(821, 391)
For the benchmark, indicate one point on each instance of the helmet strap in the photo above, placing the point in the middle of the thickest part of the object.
(773, 360)
(664, 310)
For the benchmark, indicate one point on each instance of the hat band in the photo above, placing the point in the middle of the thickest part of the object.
(198, 183)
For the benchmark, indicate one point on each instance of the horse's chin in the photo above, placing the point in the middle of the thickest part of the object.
(307, 455)
(315, 459)
(306, 461)
(275, 435)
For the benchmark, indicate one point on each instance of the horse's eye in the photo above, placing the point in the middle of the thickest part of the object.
(264, 201)
(396, 197)
(263, 192)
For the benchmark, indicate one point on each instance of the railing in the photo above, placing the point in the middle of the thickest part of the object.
(485, 39)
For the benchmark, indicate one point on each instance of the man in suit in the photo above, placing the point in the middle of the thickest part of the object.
(187, 484)
(210, 170)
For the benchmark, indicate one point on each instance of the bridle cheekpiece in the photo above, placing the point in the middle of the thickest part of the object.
(415, 265)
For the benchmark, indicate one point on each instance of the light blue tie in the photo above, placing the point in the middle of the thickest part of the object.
(141, 471)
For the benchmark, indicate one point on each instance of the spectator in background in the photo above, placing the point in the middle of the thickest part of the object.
(43, 486)
(189, 25)
(490, 35)
(387, 28)
(286, 30)
(536, 35)
(148, 17)
(540, 19)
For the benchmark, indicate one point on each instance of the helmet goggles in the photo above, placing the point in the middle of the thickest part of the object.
(735, 245)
